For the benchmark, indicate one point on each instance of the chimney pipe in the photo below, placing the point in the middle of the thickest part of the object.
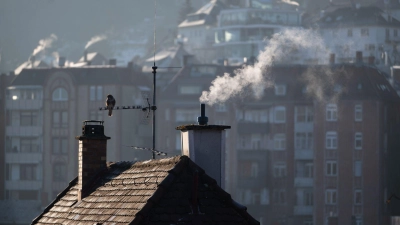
(359, 57)
(85, 56)
(61, 61)
(112, 62)
(92, 155)
(203, 119)
(32, 60)
(332, 58)
(371, 60)
(205, 145)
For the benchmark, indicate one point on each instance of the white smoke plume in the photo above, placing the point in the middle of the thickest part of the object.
(56, 56)
(94, 40)
(281, 48)
(45, 43)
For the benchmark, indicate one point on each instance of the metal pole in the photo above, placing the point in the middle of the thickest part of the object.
(154, 108)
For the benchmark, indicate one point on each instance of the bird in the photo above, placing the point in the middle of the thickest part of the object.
(110, 103)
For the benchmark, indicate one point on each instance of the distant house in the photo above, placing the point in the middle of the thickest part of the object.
(91, 59)
(173, 190)
(31, 63)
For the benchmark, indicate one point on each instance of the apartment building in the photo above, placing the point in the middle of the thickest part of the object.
(44, 110)
(293, 158)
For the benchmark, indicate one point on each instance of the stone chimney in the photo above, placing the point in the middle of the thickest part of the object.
(205, 145)
(92, 155)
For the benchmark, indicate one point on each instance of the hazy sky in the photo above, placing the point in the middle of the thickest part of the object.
(23, 23)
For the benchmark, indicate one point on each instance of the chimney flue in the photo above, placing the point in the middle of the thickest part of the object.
(85, 56)
(92, 155)
(61, 61)
(203, 119)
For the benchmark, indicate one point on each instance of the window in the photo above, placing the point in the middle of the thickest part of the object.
(186, 115)
(96, 115)
(60, 119)
(303, 140)
(357, 197)
(255, 141)
(350, 33)
(60, 146)
(264, 196)
(220, 107)
(364, 32)
(29, 118)
(279, 169)
(358, 140)
(280, 89)
(308, 198)
(331, 141)
(260, 116)
(60, 172)
(331, 168)
(190, 90)
(248, 169)
(280, 114)
(280, 142)
(358, 113)
(304, 169)
(331, 196)
(304, 114)
(27, 172)
(357, 168)
(29, 145)
(331, 112)
(60, 94)
(96, 93)
(254, 169)
(279, 196)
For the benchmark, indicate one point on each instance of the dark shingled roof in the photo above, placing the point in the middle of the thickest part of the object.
(149, 192)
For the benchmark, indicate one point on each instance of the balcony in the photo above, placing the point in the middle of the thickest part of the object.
(303, 182)
(303, 210)
(23, 157)
(303, 154)
(23, 185)
(24, 104)
(25, 131)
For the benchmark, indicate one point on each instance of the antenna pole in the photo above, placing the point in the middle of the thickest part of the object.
(154, 108)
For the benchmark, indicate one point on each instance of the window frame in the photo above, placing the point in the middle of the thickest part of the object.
(280, 141)
(331, 112)
(331, 168)
(331, 196)
(331, 140)
(57, 94)
(358, 113)
(358, 140)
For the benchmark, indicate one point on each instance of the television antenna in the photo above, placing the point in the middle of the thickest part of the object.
(149, 108)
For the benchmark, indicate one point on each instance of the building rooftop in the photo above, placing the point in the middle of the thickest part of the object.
(165, 191)
(206, 15)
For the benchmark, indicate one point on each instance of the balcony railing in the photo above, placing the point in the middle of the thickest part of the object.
(24, 131)
(23, 104)
(22, 157)
(303, 210)
(303, 154)
(303, 182)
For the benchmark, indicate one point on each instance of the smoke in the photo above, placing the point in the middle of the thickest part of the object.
(281, 48)
(44, 44)
(94, 40)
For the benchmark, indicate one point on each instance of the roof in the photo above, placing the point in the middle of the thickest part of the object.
(206, 15)
(28, 65)
(90, 75)
(352, 16)
(149, 192)
(169, 57)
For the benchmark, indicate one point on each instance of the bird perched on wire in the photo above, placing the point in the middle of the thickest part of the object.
(110, 103)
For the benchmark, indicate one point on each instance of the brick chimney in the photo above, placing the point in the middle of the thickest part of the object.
(92, 155)
(205, 145)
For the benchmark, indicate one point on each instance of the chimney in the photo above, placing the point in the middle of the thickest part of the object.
(85, 56)
(92, 155)
(61, 61)
(32, 59)
(332, 58)
(205, 145)
(112, 62)
(359, 57)
(371, 60)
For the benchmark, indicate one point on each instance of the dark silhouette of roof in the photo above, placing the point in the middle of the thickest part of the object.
(165, 191)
